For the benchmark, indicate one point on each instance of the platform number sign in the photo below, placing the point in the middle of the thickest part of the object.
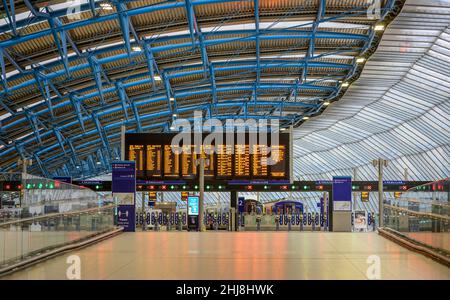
(241, 204)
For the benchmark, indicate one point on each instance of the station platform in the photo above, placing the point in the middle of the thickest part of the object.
(240, 255)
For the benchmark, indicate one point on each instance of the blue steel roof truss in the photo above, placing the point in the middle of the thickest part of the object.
(289, 101)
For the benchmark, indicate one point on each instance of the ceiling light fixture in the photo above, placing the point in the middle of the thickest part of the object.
(157, 77)
(136, 49)
(360, 60)
(305, 118)
(326, 103)
(379, 27)
(106, 6)
(345, 84)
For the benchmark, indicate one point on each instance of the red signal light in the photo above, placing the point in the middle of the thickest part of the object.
(7, 187)
(151, 187)
(320, 187)
(284, 187)
(249, 187)
(164, 187)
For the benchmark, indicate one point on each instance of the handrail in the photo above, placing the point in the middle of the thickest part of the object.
(433, 202)
(53, 215)
(56, 201)
(418, 213)
(414, 245)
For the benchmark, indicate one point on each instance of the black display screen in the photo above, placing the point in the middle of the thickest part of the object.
(229, 157)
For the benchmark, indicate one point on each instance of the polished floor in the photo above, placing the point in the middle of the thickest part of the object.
(242, 255)
(435, 239)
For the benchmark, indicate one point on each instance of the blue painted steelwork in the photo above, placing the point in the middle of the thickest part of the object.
(218, 78)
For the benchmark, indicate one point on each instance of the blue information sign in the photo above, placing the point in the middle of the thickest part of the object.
(241, 207)
(126, 217)
(193, 205)
(124, 177)
(342, 192)
(64, 179)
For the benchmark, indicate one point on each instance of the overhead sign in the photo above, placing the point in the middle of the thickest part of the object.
(251, 157)
(193, 205)
(184, 196)
(64, 179)
(124, 177)
(342, 193)
(365, 196)
(397, 195)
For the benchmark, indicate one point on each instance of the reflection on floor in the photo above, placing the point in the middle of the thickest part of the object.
(435, 239)
(241, 255)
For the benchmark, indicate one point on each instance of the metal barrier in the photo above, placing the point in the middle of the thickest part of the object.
(22, 239)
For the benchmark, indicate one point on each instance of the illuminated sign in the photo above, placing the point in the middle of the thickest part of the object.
(365, 196)
(156, 158)
(193, 205)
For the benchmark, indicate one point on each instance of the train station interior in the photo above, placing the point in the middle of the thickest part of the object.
(225, 140)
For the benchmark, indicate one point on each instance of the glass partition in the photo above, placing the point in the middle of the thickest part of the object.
(421, 214)
(45, 214)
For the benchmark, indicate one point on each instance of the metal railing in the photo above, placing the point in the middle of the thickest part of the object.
(27, 237)
(421, 217)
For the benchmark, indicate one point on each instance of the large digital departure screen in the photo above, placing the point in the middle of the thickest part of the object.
(255, 158)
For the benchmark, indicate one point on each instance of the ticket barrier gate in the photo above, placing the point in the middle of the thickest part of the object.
(216, 221)
(158, 220)
(178, 221)
(286, 222)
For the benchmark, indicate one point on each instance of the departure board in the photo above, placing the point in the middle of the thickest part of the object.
(242, 160)
(278, 168)
(156, 159)
(224, 161)
(259, 163)
(171, 163)
(208, 152)
(188, 162)
(137, 154)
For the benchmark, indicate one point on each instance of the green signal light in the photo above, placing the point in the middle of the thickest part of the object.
(266, 187)
(220, 187)
(293, 187)
(196, 187)
(353, 187)
(208, 187)
(40, 185)
(51, 185)
(305, 187)
(97, 187)
(28, 185)
(172, 187)
(184, 187)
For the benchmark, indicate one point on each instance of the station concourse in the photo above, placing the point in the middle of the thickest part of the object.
(225, 140)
